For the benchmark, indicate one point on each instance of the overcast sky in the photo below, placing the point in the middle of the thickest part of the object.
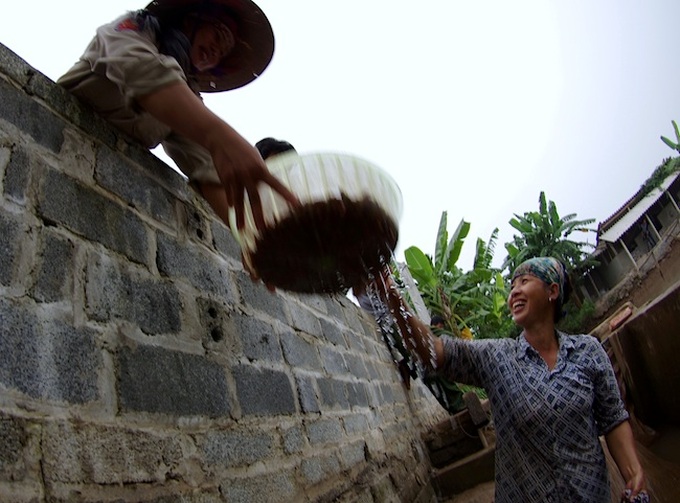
(473, 107)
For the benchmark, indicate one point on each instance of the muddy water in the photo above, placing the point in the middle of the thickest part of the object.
(326, 246)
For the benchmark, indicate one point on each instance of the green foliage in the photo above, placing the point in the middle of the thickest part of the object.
(671, 144)
(436, 278)
(545, 233)
(480, 392)
(421, 267)
(481, 299)
(475, 299)
(578, 318)
(669, 166)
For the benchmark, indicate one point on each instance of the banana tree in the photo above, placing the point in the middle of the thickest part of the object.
(481, 302)
(436, 278)
(473, 300)
(545, 233)
(672, 144)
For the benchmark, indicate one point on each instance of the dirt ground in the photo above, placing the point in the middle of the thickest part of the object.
(483, 493)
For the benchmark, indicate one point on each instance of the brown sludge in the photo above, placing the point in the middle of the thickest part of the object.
(326, 246)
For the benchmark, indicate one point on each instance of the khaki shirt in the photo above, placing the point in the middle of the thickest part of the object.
(121, 64)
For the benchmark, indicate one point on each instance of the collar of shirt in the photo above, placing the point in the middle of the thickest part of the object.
(564, 342)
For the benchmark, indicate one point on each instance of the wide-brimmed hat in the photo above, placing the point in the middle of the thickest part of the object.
(254, 39)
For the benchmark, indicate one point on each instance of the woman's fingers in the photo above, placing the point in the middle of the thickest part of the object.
(256, 208)
(237, 188)
(279, 187)
(636, 489)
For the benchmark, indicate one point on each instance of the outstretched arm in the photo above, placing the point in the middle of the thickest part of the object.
(238, 164)
(621, 444)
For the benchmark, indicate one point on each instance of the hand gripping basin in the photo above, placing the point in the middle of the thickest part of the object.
(346, 226)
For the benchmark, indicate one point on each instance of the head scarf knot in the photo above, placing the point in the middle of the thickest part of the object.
(547, 269)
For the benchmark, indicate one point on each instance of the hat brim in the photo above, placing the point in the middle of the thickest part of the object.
(254, 40)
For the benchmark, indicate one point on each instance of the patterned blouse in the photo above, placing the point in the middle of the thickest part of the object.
(547, 421)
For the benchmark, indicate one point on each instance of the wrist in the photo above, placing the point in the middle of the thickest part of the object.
(217, 135)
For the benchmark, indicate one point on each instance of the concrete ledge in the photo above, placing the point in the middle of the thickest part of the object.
(466, 473)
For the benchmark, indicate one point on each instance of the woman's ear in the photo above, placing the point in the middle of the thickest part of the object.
(554, 291)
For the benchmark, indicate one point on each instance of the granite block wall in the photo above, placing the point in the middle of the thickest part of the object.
(139, 363)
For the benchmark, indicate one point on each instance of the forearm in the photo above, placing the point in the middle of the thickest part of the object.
(621, 444)
(238, 164)
(180, 109)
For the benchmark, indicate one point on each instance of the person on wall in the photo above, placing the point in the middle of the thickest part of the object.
(552, 395)
(270, 147)
(144, 73)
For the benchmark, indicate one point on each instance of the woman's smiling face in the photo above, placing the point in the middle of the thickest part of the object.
(529, 300)
(210, 44)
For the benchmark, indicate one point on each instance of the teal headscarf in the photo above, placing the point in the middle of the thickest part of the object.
(547, 269)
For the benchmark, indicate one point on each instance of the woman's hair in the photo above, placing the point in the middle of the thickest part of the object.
(171, 40)
(559, 312)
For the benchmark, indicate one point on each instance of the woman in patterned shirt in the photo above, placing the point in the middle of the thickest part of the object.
(552, 395)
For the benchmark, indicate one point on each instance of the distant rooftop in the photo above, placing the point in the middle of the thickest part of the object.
(615, 226)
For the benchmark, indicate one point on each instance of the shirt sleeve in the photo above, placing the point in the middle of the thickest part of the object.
(608, 407)
(464, 361)
(192, 159)
(128, 57)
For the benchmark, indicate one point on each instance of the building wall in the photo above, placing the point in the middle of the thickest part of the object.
(615, 269)
(646, 347)
(658, 271)
(668, 216)
(138, 362)
(617, 279)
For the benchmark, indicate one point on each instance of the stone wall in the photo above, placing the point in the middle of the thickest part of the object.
(138, 362)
